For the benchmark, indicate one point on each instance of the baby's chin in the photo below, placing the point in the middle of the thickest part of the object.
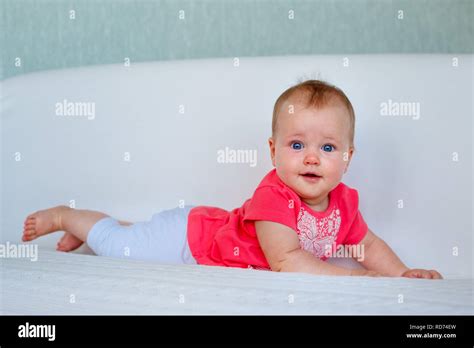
(304, 193)
(311, 197)
(320, 191)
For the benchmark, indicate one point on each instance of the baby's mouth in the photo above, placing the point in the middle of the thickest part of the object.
(311, 177)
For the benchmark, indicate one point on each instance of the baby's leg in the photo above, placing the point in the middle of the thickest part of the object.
(162, 239)
(69, 242)
(61, 218)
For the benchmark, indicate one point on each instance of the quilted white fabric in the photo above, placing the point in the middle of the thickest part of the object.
(68, 283)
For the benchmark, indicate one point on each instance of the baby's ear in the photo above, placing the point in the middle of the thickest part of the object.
(271, 143)
(347, 156)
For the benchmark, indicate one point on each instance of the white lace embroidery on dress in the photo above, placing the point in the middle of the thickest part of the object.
(315, 234)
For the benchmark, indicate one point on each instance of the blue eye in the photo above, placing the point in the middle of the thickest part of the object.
(296, 145)
(328, 148)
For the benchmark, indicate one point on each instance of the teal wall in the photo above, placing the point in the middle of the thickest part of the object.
(105, 31)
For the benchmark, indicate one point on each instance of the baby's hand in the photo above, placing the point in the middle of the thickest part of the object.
(422, 273)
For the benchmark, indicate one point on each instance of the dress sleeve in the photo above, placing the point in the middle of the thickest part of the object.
(273, 204)
(357, 226)
(357, 231)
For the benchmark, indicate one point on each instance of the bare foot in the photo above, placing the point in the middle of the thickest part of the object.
(43, 222)
(68, 242)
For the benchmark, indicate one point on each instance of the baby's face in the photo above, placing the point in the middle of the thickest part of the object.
(314, 141)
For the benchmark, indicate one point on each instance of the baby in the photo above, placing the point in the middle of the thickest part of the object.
(298, 215)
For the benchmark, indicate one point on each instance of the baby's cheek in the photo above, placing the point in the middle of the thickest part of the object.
(337, 170)
(288, 162)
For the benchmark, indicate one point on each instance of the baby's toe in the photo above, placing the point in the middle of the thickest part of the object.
(29, 233)
(30, 230)
(26, 238)
(30, 225)
(30, 218)
(29, 222)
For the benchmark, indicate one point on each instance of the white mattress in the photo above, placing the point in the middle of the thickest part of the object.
(102, 285)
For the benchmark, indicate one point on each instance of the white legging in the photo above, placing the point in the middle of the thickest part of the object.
(162, 239)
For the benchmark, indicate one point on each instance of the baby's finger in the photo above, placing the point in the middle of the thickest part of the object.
(411, 274)
(418, 273)
(435, 274)
(426, 274)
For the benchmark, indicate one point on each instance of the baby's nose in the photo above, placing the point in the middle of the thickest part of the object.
(311, 159)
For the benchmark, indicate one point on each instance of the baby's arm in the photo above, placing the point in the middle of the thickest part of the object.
(281, 247)
(379, 257)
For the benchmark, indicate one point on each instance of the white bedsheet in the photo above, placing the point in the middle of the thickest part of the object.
(67, 283)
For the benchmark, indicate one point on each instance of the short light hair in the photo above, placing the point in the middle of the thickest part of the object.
(317, 94)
